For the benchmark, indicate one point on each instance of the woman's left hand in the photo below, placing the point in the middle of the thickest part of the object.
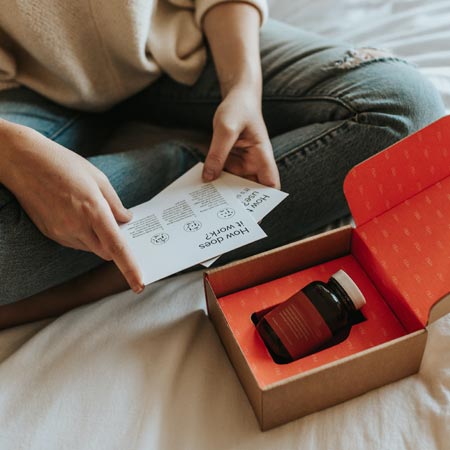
(240, 142)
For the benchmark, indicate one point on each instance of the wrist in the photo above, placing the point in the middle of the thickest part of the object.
(245, 82)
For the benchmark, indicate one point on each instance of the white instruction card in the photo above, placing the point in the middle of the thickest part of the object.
(256, 198)
(188, 222)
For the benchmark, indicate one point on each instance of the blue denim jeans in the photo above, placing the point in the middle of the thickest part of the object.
(327, 107)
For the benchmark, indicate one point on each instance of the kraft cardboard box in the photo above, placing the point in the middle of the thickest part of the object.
(398, 254)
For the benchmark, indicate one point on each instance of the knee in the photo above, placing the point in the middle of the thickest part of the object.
(400, 99)
(416, 101)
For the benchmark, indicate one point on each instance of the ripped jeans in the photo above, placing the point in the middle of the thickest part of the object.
(327, 107)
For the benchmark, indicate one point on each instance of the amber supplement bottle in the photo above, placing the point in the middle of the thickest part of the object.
(311, 317)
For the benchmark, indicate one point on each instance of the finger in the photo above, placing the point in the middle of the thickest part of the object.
(119, 211)
(222, 142)
(76, 244)
(269, 175)
(92, 242)
(88, 242)
(265, 173)
(79, 245)
(114, 243)
(236, 165)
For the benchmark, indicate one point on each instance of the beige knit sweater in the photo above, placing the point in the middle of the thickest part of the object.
(91, 54)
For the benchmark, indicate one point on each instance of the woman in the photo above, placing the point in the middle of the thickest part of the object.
(282, 104)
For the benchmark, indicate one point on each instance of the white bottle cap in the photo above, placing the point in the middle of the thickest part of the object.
(351, 288)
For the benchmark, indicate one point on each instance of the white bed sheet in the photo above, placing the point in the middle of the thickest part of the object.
(149, 372)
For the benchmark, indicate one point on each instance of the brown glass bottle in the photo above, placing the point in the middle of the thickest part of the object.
(311, 317)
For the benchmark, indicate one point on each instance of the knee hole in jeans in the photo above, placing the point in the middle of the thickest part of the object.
(357, 57)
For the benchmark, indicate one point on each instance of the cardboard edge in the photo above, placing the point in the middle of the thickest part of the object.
(284, 260)
(234, 352)
(439, 309)
(345, 359)
(343, 380)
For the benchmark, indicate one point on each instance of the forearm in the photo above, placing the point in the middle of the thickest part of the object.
(232, 31)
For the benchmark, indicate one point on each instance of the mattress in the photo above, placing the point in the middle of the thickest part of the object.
(149, 371)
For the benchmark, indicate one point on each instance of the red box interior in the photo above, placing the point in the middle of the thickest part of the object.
(381, 324)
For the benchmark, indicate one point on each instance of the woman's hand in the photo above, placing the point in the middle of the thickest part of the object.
(240, 142)
(67, 198)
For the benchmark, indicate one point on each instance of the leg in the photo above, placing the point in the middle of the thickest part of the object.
(31, 263)
(327, 107)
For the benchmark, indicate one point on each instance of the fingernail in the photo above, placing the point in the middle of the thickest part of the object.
(138, 288)
(208, 174)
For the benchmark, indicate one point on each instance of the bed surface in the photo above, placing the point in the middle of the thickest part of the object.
(149, 372)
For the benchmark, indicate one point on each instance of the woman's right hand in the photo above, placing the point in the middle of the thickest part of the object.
(67, 198)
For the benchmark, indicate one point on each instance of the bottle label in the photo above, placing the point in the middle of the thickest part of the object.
(299, 325)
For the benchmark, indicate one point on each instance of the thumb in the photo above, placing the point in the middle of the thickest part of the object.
(223, 139)
(121, 214)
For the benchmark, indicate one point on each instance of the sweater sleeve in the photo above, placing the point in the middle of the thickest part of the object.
(203, 6)
(8, 67)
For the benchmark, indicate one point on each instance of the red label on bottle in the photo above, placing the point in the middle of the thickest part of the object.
(299, 325)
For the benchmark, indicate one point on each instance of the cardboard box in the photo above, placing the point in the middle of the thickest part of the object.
(398, 254)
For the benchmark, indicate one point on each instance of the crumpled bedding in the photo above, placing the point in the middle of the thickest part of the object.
(149, 372)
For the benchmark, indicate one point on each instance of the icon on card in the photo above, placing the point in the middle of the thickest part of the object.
(159, 238)
(193, 225)
(225, 213)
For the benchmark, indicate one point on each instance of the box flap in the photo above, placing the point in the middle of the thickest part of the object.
(401, 202)
(399, 172)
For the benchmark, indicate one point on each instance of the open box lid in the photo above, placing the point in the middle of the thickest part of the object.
(400, 201)
(398, 173)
